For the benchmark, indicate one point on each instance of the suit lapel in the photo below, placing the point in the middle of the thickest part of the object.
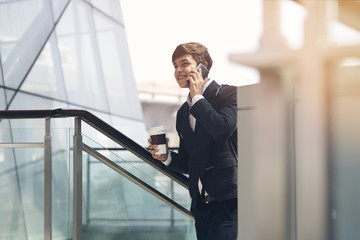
(187, 132)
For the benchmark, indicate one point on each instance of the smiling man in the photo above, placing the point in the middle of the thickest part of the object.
(207, 126)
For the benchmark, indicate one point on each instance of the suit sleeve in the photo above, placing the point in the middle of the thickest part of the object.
(180, 159)
(219, 124)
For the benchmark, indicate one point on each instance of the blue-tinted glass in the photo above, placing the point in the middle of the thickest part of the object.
(133, 129)
(83, 80)
(73, 19)
(2, 99)
(30, 170)
(61, 212)
(58, 7)
(109, 7)
(9, 94)
(21, 178)
(12, 224)
(23, 101)
(24, 28)
(1, 77)
(45, 77)
(115, 59)
(111, 197)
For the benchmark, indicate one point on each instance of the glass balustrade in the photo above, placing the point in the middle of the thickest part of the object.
(113, 206)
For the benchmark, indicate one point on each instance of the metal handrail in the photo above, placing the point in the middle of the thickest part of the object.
(102, 127)
(78, 147)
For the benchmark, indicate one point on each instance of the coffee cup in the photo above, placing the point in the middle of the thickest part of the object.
(157, 135)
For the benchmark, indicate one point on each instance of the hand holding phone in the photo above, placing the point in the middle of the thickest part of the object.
(204, 72)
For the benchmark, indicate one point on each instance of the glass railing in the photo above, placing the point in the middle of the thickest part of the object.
(116, 192)
(111, 199)
(22, 184)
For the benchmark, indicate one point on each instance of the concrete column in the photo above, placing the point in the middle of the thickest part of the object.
(262, 149)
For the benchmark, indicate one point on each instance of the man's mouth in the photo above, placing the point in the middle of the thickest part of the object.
(182, 77)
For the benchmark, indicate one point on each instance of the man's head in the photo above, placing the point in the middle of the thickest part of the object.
(198, 51)
(185, 59)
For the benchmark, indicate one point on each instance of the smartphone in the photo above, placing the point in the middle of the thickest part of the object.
(204, 70)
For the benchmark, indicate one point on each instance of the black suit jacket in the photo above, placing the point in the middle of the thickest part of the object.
(210, 152)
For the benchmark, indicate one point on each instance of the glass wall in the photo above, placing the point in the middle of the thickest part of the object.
(62, 54)
(69, 54)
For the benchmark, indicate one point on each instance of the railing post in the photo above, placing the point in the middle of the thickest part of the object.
(47, 181)
(77, 181)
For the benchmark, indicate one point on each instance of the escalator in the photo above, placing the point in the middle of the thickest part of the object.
(124, 192)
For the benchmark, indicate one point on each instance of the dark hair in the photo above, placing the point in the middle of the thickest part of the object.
(198, 51)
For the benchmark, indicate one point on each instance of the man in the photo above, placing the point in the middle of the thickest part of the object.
(207, 127)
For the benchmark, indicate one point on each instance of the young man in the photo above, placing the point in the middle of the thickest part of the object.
(207, 127)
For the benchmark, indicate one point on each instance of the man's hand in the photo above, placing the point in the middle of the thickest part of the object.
(196, 83)
(154, 150)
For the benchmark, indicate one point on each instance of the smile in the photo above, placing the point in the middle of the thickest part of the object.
(182, 77)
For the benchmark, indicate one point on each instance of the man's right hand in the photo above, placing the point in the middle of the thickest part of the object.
(154, 150)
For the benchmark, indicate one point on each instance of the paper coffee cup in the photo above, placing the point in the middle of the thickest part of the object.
(157, 135)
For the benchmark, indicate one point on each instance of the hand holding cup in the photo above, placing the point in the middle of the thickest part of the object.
(158, 143)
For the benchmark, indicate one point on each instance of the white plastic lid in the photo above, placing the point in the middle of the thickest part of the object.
(157, 130)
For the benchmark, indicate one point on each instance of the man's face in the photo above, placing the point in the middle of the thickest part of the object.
(183, 66)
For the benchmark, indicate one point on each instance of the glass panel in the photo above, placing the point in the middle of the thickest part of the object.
(21, 178)
(30, 170)
(117, 69)
(19, 29)
(22, 182)
(145, 172)
(13, 225)
(9, 95)
(61, 180)
(2, 99)
(58, 6)
(25, 101)
(109, 7)
(42, 79)
(132, 129)
(116, 206)
(345, 151)
(1, 77)
(84, 85)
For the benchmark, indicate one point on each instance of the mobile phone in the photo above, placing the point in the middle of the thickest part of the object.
(204, 70)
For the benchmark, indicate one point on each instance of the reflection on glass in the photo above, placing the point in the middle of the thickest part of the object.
(42, 79)
(117, 70)
(21, 188)
(21, 29)
(83, 82)
(109, 7)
